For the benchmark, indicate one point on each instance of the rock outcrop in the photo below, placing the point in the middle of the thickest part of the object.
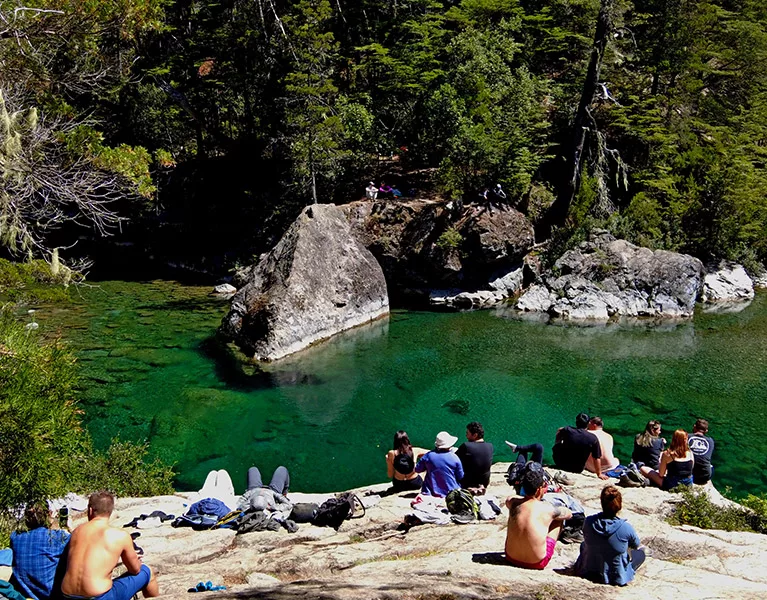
(371, 558)
(424, 246)
(727, 282)
(606, 277)
(317, 281)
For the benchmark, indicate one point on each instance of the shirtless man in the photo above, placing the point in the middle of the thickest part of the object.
(534, 525)
(94, 550)
(608, 461)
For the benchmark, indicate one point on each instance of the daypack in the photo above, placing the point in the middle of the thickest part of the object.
(404, 464)
(304, 512)
(461, 504)
(335, 511)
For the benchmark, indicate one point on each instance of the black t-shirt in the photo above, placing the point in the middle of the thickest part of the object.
(573, 447)
(650, 456)
(476, 458)
(702, 448)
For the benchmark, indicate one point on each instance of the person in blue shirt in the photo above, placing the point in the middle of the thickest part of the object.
(442, 467)
(36, 554)
(611, 551)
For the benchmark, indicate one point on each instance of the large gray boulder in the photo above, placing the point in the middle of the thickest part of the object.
(606, 277)
(317, 281)
(728, 282)
(431, 245)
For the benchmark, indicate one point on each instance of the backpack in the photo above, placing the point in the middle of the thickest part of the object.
(461, 504)
(335, 511)
(304, 512)
(404, 464)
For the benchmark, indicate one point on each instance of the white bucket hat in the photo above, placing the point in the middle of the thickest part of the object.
(444, 440)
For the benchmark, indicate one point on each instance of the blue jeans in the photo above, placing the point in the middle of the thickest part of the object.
(123, 588)
(535, 449)
(280, 480)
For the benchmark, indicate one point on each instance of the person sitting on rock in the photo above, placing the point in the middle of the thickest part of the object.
(400, 464)
(371, 191)
(702, 447)
(442, 467)
(476, 457)
(607, 462)
(676, 464)
(648, 446)
(95, 548)
(36, 553)
(534, 525)
(606, 552)
(574, 446)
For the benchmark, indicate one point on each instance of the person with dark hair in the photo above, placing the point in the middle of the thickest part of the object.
(676, 464)
(574, 445)
(476, 457)
(36, 553)
(95, 548)
(611, 551)
(442, 467)
(702, 447)
(607, 462)
(534, 525)
(400, 464)
(648, 446)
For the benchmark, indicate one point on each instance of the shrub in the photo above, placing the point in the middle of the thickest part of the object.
(450, 239)
(696, 509)
(33, 281)
(44, 450)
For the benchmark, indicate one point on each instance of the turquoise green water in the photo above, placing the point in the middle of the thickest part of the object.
(151, 371)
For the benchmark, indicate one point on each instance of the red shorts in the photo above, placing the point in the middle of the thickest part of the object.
(550, 543)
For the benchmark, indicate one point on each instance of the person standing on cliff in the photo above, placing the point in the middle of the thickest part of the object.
(702, 447)
(476, 457)
(95, 548)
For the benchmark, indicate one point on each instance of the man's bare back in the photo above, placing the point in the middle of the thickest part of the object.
(530, 522)
(94, 550)
(608, 460)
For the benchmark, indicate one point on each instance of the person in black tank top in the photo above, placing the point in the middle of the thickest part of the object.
(675, 464)
(400, 464)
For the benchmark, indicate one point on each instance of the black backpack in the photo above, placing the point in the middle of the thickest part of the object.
(335, 511)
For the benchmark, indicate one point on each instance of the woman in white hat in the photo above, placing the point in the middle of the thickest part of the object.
(442, 467)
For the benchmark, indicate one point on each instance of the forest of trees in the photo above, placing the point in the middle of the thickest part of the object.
(201, 127)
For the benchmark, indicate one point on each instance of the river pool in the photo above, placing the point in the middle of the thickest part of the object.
(151, 370)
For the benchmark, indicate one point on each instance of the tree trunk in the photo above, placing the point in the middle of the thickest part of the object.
(559, 210)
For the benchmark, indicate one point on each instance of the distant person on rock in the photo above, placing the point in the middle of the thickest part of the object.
(442, 467)
(534, 525)
(476, 458)
(607, 462)
(611, 551)
(400, 464)
(371, 191)
(702, 447)
(648, 446)
(575, 445)
(385, 189)
(36, 554)
(676, 464)
(94, 550)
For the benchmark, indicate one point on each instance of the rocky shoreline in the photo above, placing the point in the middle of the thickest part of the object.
(370, 558)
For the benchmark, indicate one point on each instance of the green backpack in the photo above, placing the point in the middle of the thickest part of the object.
(461, 505)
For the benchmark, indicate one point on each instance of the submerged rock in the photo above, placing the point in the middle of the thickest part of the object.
(727, 283)
(606, 277)
(317, 281)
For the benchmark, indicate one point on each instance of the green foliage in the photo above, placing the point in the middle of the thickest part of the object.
(44, 450)
(33, 281)
(697, 509)
(450, 239)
